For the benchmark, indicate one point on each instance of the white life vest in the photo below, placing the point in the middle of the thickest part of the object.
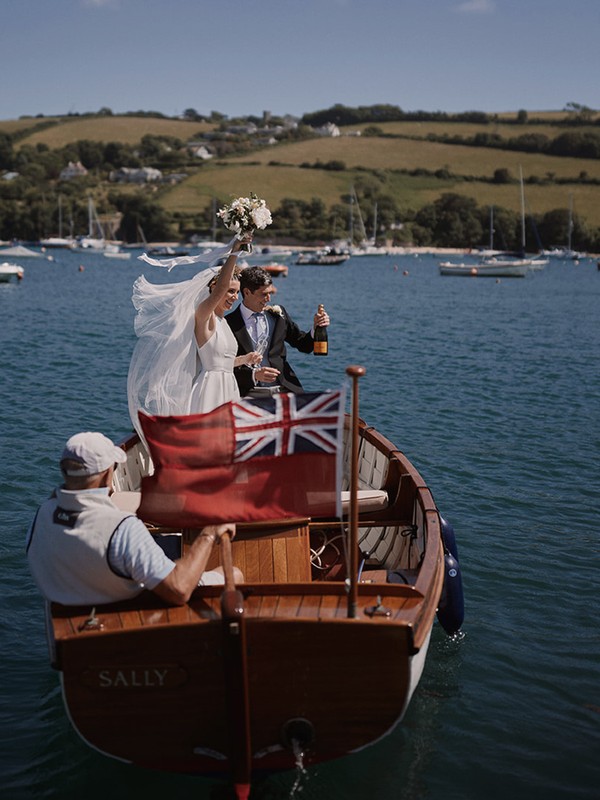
(68, 549)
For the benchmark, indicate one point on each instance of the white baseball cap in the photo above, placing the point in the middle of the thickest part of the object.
(94, 451)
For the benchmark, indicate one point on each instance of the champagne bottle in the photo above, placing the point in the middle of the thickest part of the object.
(320, 337)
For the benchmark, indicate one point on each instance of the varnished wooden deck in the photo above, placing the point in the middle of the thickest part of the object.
(306, 656)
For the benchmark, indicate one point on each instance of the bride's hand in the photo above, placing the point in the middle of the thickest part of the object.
(266, 374)
(250, 359)
(244, 243)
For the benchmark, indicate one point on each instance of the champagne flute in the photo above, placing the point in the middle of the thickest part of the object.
(261, 348)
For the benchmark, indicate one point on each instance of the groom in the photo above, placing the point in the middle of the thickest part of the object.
(250, 321)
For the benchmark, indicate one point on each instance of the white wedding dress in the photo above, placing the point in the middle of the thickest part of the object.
(215, 384)
(163, 369)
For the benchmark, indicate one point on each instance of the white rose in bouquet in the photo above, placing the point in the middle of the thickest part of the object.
(261, 217)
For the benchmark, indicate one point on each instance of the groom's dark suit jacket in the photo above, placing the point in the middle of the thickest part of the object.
(284, 330)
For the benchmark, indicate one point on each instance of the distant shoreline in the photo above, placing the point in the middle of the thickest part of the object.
(391, 251)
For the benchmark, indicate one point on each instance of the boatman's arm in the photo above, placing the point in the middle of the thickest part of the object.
(179, 584)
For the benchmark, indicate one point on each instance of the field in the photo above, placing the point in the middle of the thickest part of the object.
(275, 172)
(409, 154)
(128, 130)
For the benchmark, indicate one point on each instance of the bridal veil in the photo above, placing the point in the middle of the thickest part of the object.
(163, 364)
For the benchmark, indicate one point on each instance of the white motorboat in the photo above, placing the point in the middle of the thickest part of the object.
(58, 242)
(10, 272)
(367, 249)
(113, 251)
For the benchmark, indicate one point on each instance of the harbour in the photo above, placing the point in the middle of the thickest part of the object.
(492, 391)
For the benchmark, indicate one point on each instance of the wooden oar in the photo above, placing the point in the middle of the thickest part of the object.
(355, 372)
(236, 675)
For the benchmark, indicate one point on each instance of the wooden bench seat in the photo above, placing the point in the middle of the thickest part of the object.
(369, 501)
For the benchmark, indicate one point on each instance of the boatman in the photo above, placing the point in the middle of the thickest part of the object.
(84, 550)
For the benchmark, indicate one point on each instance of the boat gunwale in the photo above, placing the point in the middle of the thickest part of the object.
(407, 489)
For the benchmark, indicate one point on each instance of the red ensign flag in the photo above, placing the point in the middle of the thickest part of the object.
(249, 461)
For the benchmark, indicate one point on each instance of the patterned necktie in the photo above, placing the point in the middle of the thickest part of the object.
(259, 326)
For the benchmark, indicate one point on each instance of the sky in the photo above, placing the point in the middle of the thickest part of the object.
(242, 57)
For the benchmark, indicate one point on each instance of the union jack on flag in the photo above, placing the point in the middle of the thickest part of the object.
(288, 424)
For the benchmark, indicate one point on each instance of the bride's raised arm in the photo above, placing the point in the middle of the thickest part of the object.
(204, 322)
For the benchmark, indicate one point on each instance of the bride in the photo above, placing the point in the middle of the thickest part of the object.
(181, 326)
(217, 346)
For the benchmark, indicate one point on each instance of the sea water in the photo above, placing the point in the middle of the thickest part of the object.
(491, 387)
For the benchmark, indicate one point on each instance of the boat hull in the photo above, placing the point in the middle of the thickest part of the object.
(321, 259)
(149, 684)
(162, 702)
(497, 270)
(10, 272)
(276, 270)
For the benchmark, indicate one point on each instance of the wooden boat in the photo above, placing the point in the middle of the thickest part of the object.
(10, 272)
(276, 270)
(309, 655)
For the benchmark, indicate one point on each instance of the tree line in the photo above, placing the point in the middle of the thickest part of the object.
(29, 203)
(577, 114)
(450, 221)
(573, 144)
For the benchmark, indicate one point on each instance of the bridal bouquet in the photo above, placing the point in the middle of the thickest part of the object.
(245, 214)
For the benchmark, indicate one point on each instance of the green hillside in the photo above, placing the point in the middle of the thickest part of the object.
(60, 131)
(411, 163)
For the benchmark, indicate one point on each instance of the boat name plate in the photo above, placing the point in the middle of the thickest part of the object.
(142, 677)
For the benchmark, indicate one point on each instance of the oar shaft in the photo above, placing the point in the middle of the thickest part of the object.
(355, 372)
(235, 667)
(227, 559)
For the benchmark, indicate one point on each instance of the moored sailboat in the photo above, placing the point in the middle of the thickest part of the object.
(496, 264)
(365, 247)
(490, 267)
(96, 241)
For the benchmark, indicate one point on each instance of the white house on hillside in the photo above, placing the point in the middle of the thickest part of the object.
(73, 171)
(329, 129)
(199, 151)
(135, 175)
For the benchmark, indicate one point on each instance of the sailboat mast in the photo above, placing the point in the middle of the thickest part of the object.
(491, 227)
(570, 231)
(522, 211)
(90, 217)
(375, 224)
(354, 198)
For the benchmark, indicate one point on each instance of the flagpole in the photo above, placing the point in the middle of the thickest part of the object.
(235, 664)
(355, 372)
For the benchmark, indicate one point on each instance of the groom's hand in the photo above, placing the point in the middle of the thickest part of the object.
(266, 374)
(321, 319)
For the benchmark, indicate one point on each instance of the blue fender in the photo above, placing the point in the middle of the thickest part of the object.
(451, 608)
(449, 537)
